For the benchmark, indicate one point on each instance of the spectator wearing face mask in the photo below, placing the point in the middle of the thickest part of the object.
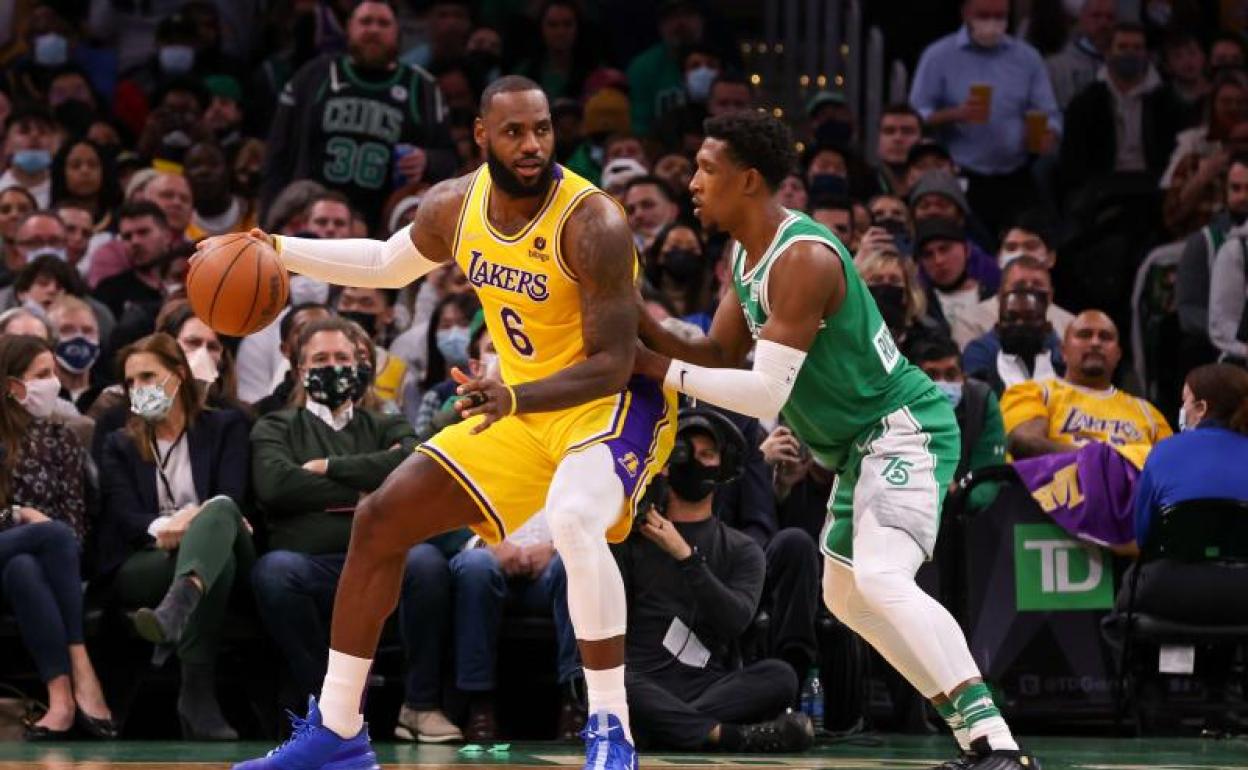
(974, 404)
(173, 540)
(702, 66)
(175, 59)
(1117, 126)
(290, 327)
(1026, 269)
(30, 140)
(1205, 461)
(51, 48)
(1021, 347)
(1076, 65)
(312, 463)
(42, 524)
(655, 79)
(46, 274)
(1194, 279)
(693, 586)
(975, 87)
(677, 266)
(894, 284)
(373, 310)
(77, 350)
(446, 338)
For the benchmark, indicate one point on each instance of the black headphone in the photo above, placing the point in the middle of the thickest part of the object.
(728, 439)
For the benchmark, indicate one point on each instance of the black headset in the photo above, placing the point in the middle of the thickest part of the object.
(728, 439)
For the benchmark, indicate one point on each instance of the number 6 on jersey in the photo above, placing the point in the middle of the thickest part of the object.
(514, 325)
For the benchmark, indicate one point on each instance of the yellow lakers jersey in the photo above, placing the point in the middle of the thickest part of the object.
(1078, 415)
(528, 293)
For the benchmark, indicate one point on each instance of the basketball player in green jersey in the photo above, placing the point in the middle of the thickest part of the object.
(824, 358)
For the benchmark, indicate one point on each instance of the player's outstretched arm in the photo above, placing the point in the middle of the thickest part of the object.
(725, 346)
(407, 255)
(806, 286)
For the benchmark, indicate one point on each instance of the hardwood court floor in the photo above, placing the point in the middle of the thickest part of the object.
(901, 752)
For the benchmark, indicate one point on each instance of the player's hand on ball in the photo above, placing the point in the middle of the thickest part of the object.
(487, 397)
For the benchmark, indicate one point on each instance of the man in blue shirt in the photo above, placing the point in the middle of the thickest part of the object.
(976, 87)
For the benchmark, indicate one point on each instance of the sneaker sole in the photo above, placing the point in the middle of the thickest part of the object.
(404, 734)
(148, 627)
(365, 762)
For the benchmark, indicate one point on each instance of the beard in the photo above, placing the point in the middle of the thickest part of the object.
(372, 58)
(507, 181)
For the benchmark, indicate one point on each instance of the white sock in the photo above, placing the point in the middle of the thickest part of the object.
(605, 688)
(343, 693)
(996, 731)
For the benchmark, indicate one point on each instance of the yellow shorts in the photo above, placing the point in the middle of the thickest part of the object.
(507, 469)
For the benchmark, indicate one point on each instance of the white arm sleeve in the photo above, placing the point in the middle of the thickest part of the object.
(362, 262)
(759, 392)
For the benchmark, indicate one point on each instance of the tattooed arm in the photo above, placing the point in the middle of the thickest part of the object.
(599, 245)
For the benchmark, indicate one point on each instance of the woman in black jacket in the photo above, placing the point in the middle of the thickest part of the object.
(174, 478)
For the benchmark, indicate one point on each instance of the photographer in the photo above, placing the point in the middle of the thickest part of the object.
(693, 587)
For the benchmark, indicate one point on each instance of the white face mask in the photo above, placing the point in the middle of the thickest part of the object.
(489, 365)
(203, 368)
(987, 33)
(304, 290)
(41, 397)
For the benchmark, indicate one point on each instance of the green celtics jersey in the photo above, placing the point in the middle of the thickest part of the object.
(854, 374)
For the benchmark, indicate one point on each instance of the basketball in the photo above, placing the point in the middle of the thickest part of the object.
(237, 287)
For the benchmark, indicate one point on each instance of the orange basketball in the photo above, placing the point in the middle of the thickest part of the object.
(237, 287)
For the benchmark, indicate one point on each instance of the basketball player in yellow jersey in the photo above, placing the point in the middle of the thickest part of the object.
(567, 430)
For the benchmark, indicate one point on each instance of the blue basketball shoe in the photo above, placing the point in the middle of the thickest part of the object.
(606, 747)
(312, 746)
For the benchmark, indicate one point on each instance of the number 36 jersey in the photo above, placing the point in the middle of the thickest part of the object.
(529, 294)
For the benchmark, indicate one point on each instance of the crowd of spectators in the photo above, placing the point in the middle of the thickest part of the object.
(187, 475)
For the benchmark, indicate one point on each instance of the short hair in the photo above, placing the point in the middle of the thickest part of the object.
(1230, 37)
(140, 209)
(332, 196)
(1128, 28)
(331, 324)
(934, 348)
(1025, 262)
(288, 320)
(508, 84)
(13, 188)
(36, 214)
(13, 313)
(51, 267)
(756, 140)
(730, 78)
(664, 188)
(901, 108)
(68, 303)
(1177, 37)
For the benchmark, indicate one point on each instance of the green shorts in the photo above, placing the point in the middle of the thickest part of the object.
(899, 469)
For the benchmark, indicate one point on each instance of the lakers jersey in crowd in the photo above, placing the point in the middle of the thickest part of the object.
(532, 306)
(1077, 415)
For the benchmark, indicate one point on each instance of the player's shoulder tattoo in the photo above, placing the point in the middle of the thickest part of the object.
(599, 241)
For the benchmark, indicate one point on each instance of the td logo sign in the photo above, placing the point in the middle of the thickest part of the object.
(1054, 572)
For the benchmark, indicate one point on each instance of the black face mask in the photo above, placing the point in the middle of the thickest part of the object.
(891, 301)
(1238, 217)
(833, 133)
(692, 481)
(1023, 340)
(683, 265)
(331, 385)
(363, 381)
(367, 321)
